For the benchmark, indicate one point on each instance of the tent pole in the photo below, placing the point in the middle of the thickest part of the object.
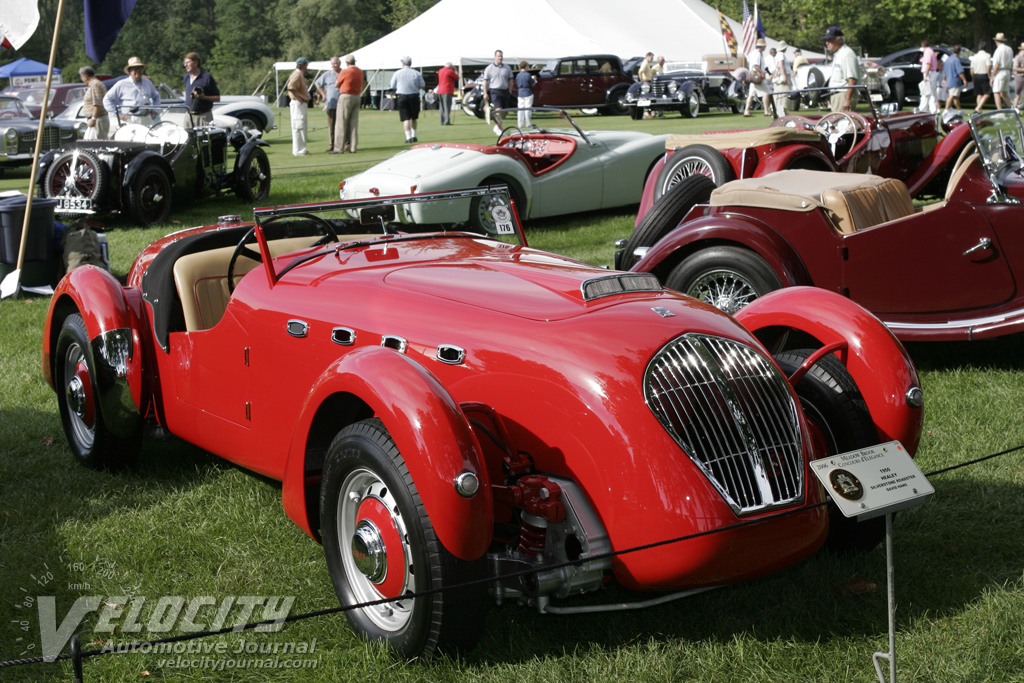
(35, 156)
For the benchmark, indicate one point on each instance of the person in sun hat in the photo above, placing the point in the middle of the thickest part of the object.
(1002, 62)
(298, 96)
(129, 98)
(782, 78)
(845, 70)
(760, 85)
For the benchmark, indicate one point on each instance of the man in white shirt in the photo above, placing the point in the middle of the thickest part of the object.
(760, 83)
(981, 63)
(845, 70)
(1002, 61)
(782, 78)
(127, 100)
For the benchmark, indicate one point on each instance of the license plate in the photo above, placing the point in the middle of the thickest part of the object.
(68, 204)
(876, 97)
(643, 103)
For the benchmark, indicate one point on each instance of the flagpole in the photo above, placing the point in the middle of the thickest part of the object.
(35, 157)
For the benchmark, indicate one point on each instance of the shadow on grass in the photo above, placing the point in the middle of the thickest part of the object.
(946, 558)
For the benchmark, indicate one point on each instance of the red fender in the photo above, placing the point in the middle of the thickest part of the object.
(875, 359)
(104, 306)
(430, 430)
(944, 153)
(784, 157)
(713, 230)
(647, 198)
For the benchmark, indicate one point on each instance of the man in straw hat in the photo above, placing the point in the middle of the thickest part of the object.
(1002, 61)
(1018, 75)
(760, 86)
(298, 95)
(129, 98)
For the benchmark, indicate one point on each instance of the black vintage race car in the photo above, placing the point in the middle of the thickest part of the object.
(135, 172)
(690, 88)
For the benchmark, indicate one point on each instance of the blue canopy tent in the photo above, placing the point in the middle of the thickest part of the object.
(23, 67)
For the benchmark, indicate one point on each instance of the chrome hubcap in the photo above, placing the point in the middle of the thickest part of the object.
(368, 552)
(725, 290)
(76, 396)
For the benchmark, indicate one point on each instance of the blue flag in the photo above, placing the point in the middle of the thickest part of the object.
(104, 20)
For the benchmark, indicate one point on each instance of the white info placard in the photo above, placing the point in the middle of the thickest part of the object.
(873, 481)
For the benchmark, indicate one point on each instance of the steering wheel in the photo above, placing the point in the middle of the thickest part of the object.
(166, 133)
(510, 128)
(8, 114)
(242, 248)
(833, 127)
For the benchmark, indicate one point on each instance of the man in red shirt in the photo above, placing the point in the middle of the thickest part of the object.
(446, 80)
(350, 89)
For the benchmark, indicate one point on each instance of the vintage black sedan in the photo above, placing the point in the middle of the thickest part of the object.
(135, 172)
(18, 131)
(690, 88)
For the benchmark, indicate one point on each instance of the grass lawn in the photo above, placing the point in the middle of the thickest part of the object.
(184, 523)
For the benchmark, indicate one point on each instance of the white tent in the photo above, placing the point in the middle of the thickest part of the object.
(467, 32)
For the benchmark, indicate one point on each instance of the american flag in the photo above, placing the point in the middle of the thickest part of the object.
(749, 28)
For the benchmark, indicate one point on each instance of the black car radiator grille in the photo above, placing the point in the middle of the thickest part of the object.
(729, 408)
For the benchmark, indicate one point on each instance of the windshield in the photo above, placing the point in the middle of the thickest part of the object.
(30, 95)
(12, 108)
(1000, 139)
(479, 212)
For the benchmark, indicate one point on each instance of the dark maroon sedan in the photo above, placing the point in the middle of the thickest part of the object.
(585, 82)
(60, 96)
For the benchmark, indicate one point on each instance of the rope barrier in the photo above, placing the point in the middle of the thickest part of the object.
(77, 655)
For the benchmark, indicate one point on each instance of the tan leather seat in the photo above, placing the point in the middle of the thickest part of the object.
(202, 280)
(860, 208)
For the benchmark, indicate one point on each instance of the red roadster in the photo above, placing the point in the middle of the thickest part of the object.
(446, 406)
(941, 271)
(906, 145)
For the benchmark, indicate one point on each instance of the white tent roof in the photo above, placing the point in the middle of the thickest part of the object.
(458, 31)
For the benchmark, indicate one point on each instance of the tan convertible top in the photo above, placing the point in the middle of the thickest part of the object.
(852, 200)
(740, 139)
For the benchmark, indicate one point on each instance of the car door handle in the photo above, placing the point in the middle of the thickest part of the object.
(985, 243)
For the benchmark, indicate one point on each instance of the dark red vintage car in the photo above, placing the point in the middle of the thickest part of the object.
(448, 406)
(588, 82)
(906, 145)
(943, 271)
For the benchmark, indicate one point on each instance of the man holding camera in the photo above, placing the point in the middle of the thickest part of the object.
(200, 91)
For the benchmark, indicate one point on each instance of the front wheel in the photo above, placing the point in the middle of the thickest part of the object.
(253, 177)
(832, 401)
(728, 278)
(149, 197)
(74, 376)
(76, 173)
(693, 160)
(380, 543)
(691, 107)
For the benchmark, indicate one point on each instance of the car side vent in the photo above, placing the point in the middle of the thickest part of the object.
(730, 409)
(619, 284)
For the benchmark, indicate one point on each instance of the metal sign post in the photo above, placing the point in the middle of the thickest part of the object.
(870, 483)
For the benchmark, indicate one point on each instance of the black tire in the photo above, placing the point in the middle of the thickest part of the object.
(149, 197)
(666, 213)
(74, 377)
(792, 103)
(616, 104)
(832, 401)
(480, 212)
(815, 79)
(252, 179)
(689, 160)
(367, 495)
(91, 176)
(728, 278)
(251, 120)
(636, 113)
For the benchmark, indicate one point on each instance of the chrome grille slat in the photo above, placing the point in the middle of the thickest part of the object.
(731, 411)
